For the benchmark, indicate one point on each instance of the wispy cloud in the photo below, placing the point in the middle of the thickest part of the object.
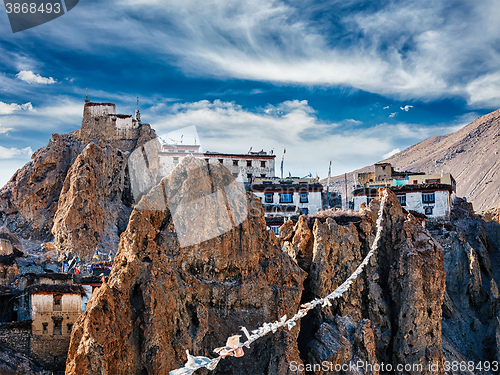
(7, 109)
(3, 129)
(406, 108)
(30, 77)
(15, 153)
(393, 114)
(391, 153)
(408, 49)
(310, 142)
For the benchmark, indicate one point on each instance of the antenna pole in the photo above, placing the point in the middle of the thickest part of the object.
(345, 183)
(328, 186)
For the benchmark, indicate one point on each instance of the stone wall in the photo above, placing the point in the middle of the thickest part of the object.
(50, 352)
(16, 336)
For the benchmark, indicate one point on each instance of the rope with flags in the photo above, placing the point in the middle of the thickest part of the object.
(235, 348)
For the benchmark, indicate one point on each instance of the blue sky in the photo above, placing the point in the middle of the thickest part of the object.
(346, 81)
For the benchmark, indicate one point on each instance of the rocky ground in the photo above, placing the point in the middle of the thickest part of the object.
(74, 196)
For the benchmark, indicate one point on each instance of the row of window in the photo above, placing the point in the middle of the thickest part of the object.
(286, 197)
(426, 198)
(235, 162)
(57, 328)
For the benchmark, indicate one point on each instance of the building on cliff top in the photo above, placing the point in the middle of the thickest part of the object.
(243, 167)
(101, 123)
(286, 198)
(428, 194)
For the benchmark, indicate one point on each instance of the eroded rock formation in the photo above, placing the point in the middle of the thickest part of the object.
(73, 192)
(162, 299)
(94, 203)
(392, 314)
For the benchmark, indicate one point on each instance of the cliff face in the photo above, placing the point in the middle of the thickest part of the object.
(29, 200)
(74, 193)
(471, 309)
(162, 299)
(94, 202)
(392, 313)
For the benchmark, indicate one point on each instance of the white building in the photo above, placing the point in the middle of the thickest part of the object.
(430, 195)
(284, 198)
(243, 167)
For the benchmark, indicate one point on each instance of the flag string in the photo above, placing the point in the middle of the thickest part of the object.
(233, 346)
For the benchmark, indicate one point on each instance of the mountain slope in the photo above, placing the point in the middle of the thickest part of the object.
(471, 155)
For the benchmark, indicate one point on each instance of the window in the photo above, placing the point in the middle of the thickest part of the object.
(70, 327)
(304, 211)
(428, 197)
(221, 161)
(176, 160)
(57, 302)
(428, 210)
(249, 176)
(57, 326)
(303, 198)
(45, 325)
(267, 182)
(433, 181)
(402, 199)
(269, 197)
(249, 163)
(263, 164)
(368, 200)
(263, 175)
(207, 160)
(286, 198)
(415, 182)
(235, 162)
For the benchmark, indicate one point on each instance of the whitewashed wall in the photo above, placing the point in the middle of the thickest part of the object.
(99, 110)
(313, 204)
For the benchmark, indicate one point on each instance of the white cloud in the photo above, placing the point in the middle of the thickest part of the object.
(408, 49)
(15, 153)
(406, 108)
(310, 142)
(30, 77)
(7, 109)
(393, 114)
(386, 107)
(391, 153)
(4, 130)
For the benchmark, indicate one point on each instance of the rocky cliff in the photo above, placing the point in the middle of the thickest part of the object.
(74, 193)
(392, 314)
(162, 299)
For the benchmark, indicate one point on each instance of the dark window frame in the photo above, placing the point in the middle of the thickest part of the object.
(304, 199)
(402, 199)
(286, 201)
(429, 197)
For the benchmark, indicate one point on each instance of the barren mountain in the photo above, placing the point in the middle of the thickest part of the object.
(470, 155)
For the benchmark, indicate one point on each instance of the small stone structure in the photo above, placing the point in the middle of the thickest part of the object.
(102, 123)
(51, 302)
